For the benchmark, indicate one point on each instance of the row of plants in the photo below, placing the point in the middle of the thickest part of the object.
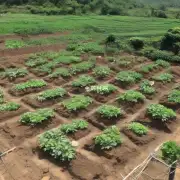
(9, 106)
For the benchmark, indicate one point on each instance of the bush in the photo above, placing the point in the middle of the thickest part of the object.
(109, 111)
(67, 59)
(148, 68)
(109, 138)
(64, 72)
(160, 14)
(101, 71)
(138, 128)
(131, 96)
(146, 88)
(160, 112)
(174, 96)
(10, 106)
(74, 126)
(164, 77)
(57, 145)
(14, 44)
(137, 43)
(162, 63)
(170, 152)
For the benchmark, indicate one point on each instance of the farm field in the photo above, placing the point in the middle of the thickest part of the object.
(56, 100)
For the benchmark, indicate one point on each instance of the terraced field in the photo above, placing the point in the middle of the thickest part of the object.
(79, 100)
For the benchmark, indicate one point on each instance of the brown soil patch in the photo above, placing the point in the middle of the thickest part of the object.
(79, 134)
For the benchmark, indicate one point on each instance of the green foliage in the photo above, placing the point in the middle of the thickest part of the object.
(174, 96)
(138, 128)
(29, 84)
(67, 59)
(170, 152)
(57, 145)
(164, 77)
(128, 77)
(146, 88)
(10, 106)
(103, 89)
(83, 81)
(148, 68)
(110, 138)
(76, 125)
(109, 111)
(160, 112)
(162, 63)
(51, 94)
(101, 71)
(77, 102)
(11, 44)
(37, 117)
(33, 62)
(131, 96)
(64, 72)
(1, 96)
(137, 43)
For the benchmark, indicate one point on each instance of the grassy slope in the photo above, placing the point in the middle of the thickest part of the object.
(120, 25)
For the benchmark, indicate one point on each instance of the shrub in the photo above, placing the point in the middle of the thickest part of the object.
(101, 71)
(162, 63)
(128, 77)
(109, 138)
(77, 102)
(131, 96)
(64, 72)
(76, 125)
(104, 89)
(12, 44)
(10, 106)
(170, 152)
(83, 81)
(146, 88)
(164, 77)
(51, 94)
(160, 112)
(110, 39)
(174, 96)
(109, 111)
(57, 145)
(33, 118)
(138, 128)
(29, 84)
(148, 68)
(137, 43)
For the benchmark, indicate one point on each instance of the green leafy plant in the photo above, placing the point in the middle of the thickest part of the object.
(109, 111)
(109, 138)
(146, 88)
(55, 143)
(131, 96)
(162, 63)
(83, 81)
(76, 125)
(138, 128)
(51, 94)
(164, 77)
(67, 59)
(37, 117)
(1, 96)
(148, 68)
(11, 44)
(33, 62)
(170, 152)
(29, 84)
(104, 89)
(63, 72)
(174, 96)
(77, 102)
(160, 112)
(10, 106)
(128, 77)
(101, 71)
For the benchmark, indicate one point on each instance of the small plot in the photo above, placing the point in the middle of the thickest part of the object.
(138, 133)
(79, 84)
(102, 92)
(27, 87)
(106, 115)
(126, 79)
(46, 98)
(163, 78)
(67, 59)
(131, 100)
(75, 106)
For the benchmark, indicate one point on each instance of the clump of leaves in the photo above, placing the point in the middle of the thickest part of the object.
(104, 89)
(37, 117)
(29, 84)
(110, 138)
(128, 77)
(33, 62)
(57, 145)
(109, 111)
(67, 59)
(138, 128)
(1, 96)
(63, 72)
(162, 63)
(174, 96)
(76, 125)
(146, 88)
(10, 106)
(131, 96)
(170, 152)
(77, 102)
(164, 77)
(148, 68)
(51, 94)
(101, 71)
(83, 81)
(160, 112)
